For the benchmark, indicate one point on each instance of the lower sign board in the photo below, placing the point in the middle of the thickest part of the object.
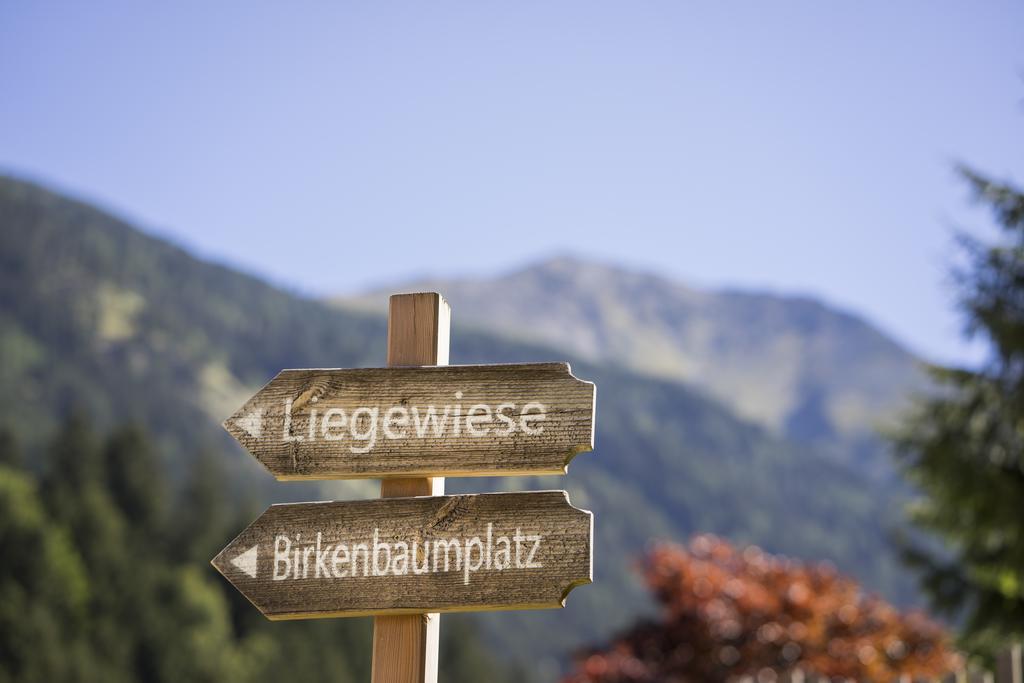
(408, 555)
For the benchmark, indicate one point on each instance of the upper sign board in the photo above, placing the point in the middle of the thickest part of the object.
(410, 555)
(458, 420)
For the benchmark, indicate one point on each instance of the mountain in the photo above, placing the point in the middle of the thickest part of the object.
(99, 317)
(792, 364)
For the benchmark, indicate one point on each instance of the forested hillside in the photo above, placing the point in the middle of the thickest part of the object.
(100, 318)
(105, 578)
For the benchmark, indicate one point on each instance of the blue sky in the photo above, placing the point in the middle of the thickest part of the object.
(798, 147)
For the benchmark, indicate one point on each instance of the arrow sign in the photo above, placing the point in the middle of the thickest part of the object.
(408, 555)
(460, 420)
(246, 562)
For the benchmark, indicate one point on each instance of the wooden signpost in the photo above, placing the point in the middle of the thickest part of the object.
(415, 552)
(469, 420)
(486, 551)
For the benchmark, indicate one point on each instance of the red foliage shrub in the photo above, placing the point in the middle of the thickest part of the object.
(728, 613)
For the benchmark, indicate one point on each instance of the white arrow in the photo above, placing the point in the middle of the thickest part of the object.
(247, 561)
(252, 424)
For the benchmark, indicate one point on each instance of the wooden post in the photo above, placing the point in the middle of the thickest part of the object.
(405, 647)
(1009, 665)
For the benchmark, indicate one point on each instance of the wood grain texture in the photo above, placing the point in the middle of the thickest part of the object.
(406, 646)
(561, 559)
(419, 326)
(290, 448)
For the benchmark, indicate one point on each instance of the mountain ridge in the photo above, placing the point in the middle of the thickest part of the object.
(792, 363)
(97, 313)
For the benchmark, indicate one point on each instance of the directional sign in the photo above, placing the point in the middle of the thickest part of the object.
(459, 420)
(408, 555)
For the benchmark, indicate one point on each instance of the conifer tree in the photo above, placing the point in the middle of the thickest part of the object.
(133, 477)
(199, 528)
(10, 450)
(74, 466)
(43, 591)
(964, 446)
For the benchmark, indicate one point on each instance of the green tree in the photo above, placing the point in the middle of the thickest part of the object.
(463, 657)
(202, 515)
(75, 494)
(148, 617)
(134, 481)
(43, 590)
(10, 450)
(74, 465)
(99, 583)
(964, 446)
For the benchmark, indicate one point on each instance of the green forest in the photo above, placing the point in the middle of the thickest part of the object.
(106, 578)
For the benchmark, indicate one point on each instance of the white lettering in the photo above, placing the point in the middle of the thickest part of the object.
(377, 548)
(448, 545)
(321, 558)
(478, 414)
(486, 551)
(281, 555)
(337, 560)
(370, 434)
(530, 564)
(286, 432)
(390, 418)
(328, 424)
(363, 424)
(430, 417)
(366, 558)
(399, 568)
(526, 417)
(468, 565)
(503, 557)
(500, 414)
(416, 567)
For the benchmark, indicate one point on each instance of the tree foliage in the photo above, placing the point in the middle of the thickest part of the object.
(43, 587)
(964, 447)
(727, 613)
(106, 577)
